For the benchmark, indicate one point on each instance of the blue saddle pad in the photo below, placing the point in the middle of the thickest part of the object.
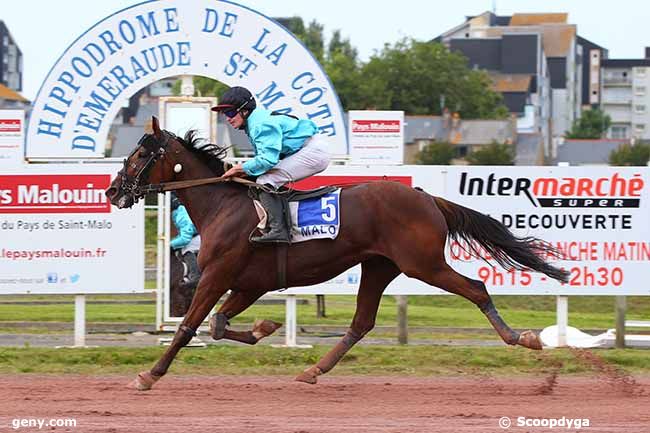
(316, 218)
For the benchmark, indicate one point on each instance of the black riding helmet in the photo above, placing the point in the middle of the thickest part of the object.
(235, 100)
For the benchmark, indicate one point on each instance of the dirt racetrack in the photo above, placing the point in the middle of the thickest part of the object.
(337, 404)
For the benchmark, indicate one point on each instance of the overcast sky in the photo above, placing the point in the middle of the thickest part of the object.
(43, 29)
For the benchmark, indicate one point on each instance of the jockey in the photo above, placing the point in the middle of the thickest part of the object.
(287, 149)
(186, 244)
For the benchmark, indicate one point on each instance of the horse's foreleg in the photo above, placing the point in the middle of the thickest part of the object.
(237, 302)
(376, 274)
(204, 300)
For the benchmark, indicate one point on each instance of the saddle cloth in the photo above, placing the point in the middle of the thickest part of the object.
(312, 217)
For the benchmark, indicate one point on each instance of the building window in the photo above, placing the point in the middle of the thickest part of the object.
(640, 72)
(5, 40)
(639, 128)
(619, 132)
(639, 91)
(639, 109)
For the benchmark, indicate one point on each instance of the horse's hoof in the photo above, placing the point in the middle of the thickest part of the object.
(530, 340)
(309, 376)
(143, 381)
(264, 328)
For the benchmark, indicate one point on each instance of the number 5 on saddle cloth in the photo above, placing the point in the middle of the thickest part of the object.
(312, 214)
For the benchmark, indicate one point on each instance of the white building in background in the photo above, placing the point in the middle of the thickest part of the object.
(11, 61)
(626, 97)
(537, 62)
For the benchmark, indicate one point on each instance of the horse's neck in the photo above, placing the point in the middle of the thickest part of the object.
(203, 202)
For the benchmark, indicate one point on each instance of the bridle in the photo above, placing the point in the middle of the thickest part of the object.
(133, 185)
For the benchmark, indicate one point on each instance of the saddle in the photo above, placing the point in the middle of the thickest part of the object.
(294, 194)
(287, 196)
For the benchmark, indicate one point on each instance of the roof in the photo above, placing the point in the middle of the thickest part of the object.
(7, 93)
(422, 128)
(557, 40)
(478, 131)
(587, 152)
(473, 131)
(536, 19)
(586, 41)
(505, 83)
(624, 63)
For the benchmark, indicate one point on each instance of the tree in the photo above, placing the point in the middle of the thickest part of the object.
(436, 153)
(311, 36)
(592, 124)
(413, 76)
(493, 154)
(343, 69)
(314, 40)
(630, 155)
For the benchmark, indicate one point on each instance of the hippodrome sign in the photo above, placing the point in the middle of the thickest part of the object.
(157, 39)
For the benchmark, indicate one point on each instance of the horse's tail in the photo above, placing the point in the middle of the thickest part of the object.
(499, 242)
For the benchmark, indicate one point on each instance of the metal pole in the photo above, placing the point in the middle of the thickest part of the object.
(562, 319)
(79, 321)
(562, 308)
(621, 306)
(290, 319)
(166, 238)
(160, 252)
(320, 306)
(402, 319)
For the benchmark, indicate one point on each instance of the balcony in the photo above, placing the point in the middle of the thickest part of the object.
(620, 116)
(617, 81)
(617, 101)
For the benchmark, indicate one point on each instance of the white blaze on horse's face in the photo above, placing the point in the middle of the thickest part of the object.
(178, 168)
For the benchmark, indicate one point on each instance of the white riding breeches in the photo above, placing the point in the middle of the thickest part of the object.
(194, 245)
(312, 158)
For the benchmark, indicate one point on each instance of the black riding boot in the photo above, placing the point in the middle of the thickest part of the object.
(276, 217)
(193, 272)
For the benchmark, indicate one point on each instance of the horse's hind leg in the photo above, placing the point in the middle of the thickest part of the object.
(448, 279)
(376, 274)
(237, 302)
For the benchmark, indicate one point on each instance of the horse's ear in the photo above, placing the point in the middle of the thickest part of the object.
(156, 127)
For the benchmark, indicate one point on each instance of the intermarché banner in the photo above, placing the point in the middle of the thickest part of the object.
(59, 234)
(597, 217)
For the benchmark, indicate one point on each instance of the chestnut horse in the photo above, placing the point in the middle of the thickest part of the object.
(386, 226)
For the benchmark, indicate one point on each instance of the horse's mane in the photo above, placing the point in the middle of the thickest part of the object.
(211, 154)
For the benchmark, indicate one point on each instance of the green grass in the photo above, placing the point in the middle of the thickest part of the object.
(435, 311)
(266, 360)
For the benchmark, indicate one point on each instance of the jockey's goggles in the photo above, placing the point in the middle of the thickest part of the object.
(231, 111)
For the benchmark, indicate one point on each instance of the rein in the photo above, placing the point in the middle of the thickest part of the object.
(182, 184)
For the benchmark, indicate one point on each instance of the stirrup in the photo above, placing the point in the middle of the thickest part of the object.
(272, 238)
